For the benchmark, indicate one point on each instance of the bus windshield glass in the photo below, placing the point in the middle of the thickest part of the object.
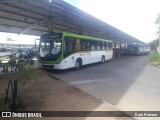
(134, 48)
(50, 49)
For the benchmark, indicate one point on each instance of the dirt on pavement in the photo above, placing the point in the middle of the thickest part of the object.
(47, 93)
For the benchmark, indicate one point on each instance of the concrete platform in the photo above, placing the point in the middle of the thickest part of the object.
(128, 83)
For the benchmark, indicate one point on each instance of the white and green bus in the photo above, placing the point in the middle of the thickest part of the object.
(67, 50)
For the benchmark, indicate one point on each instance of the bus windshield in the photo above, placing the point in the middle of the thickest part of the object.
(50, 49)
(134, 48)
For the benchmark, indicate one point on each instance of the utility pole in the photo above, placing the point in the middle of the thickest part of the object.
(155, 43)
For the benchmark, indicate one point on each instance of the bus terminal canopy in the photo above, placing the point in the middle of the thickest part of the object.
(37, 17)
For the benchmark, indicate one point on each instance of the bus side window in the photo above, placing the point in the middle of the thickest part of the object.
(92, 44)
(103, 45)
(82, 45)
(98, 46)
(85, 44)
(69, 46)
(106, 45)
(88, 45)
(111, 46)
(95, 45)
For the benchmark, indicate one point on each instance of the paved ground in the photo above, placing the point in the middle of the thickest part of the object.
(46, 93)
(126, 82)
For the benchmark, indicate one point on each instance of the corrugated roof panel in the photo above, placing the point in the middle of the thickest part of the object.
(35, 17)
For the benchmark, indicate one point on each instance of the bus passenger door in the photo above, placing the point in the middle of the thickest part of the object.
(69, 50)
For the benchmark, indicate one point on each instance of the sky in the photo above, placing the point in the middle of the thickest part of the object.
(17, 39)
(135, 17)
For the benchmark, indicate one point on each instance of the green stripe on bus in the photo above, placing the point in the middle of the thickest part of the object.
(84, 37)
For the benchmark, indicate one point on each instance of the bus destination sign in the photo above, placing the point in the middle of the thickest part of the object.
(51, 36)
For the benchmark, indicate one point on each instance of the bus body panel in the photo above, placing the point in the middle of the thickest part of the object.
(87, 58)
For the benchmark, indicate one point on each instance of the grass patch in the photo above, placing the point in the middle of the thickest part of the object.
(154, 58)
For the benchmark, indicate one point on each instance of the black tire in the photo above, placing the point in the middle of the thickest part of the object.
(78, 64)
(103, 59)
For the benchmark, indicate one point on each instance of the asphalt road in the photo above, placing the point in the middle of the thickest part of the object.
(129, 83)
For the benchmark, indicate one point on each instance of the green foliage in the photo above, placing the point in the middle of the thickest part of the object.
(157, 19)
(13, 58)
(157, 22)
(154, 44)
(27, 72)
(154, 58)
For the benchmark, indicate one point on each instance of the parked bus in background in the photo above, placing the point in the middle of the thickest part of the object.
(66, 50)
(139, 49)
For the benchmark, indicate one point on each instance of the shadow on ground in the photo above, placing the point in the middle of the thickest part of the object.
(112, 79)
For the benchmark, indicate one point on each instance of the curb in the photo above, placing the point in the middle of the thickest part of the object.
(103, 101)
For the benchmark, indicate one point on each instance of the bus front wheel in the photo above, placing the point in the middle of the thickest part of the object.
(78, 64)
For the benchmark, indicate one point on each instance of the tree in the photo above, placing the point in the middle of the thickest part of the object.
(158, 32)
(157, 19)
(154, 44)
(157, 22)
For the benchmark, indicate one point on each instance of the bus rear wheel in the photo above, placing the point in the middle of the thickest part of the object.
(78, 64)
(102, 59)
